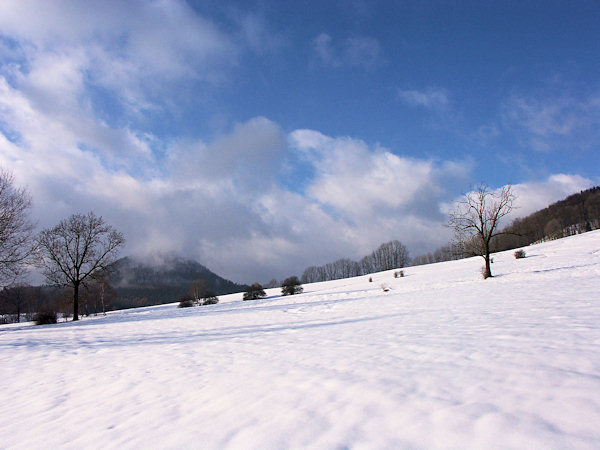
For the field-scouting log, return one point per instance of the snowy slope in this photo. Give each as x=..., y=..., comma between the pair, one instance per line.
x=442, y=360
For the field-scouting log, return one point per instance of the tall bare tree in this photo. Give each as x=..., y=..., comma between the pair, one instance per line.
x=78, y=249
x=17, y=241
x=476, y=218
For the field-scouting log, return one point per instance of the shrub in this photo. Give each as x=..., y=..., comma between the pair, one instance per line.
x=291, y=286
x=399, y=274
x=520, y=254
x=45, y=316
x=186, y=301
x=254, y=292
x=370, y=279
x=210, y=300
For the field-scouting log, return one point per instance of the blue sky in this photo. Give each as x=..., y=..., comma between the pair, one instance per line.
x=263, y=137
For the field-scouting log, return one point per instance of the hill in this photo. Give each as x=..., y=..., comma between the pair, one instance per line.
x=162, y=279
x=443, y=359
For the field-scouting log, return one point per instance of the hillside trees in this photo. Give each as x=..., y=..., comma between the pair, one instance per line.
x=17, y=243
x=76, y=250
x=476, y=218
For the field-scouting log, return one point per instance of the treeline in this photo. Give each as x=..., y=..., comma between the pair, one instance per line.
x=575, y=214
x=391, y=255
x=449, y=252
x=22, y=302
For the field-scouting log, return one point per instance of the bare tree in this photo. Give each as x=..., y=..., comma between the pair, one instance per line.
x=476, y=218
x=76, y=250
x=17, y=241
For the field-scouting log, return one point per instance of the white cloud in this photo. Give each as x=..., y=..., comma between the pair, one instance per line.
x=357, y=51
x=430, y=98
x=250, y=154
x=136, y=50
x=552, y=122
x=381, y=195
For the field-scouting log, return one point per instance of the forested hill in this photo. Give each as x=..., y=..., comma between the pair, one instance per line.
x=575, y=214
x=164, y=279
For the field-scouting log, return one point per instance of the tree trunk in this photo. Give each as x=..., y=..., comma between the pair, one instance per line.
x=75, y=301
x=102, y=299
x=488, y=269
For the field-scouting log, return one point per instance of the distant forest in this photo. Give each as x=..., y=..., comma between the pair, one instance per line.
x=135, y=284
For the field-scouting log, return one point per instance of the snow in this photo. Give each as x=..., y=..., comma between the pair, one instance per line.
x=443, y=360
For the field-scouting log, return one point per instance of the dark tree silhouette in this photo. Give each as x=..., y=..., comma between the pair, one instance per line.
x=76, y=250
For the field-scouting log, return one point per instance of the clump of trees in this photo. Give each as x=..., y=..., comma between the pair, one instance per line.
x=476, y=220
x=202, y=294
x=291, y=286
x=199, y=295
x=254, y=292
x=390, y=255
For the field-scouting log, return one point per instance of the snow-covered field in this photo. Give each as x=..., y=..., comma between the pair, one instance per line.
x=442, y=360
